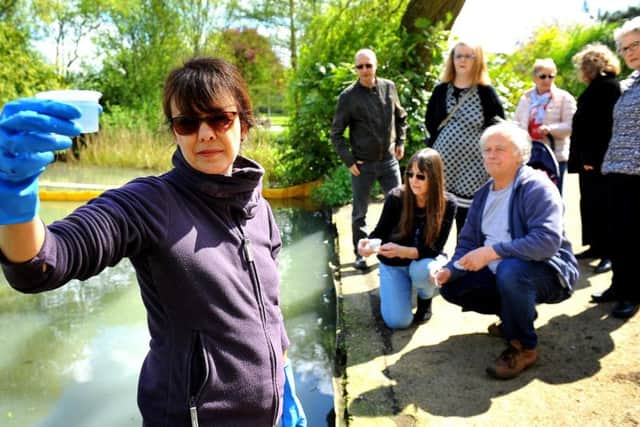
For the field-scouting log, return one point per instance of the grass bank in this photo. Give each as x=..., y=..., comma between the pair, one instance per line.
x=142, y=148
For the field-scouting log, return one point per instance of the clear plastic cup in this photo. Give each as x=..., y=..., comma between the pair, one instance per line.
x=374, y=244
x=85, y=100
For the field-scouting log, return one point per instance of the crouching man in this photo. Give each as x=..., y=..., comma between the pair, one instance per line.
x=512, y=252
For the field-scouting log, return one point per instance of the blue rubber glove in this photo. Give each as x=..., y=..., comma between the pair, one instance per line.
x=30, y=131
x=292, y=412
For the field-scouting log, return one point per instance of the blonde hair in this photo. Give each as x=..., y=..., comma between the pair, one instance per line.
x=479, y=73
x=630, y=26
x=594, y=60
x=544, y=63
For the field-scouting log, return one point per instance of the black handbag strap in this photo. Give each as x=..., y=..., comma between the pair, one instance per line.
x=455, y=108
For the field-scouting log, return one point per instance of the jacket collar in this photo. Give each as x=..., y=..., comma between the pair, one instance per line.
x=241, y=191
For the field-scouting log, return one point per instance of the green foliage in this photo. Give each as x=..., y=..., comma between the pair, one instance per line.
x=22, y=71
x=326, y=68
x=252, y=53
x=260, y=147
x=138, y=148
x=144, y=46
x=511, y=74
x=146, y=115
x=335, y=190
x=620, y=16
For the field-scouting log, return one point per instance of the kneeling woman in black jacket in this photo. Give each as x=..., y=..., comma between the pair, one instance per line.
x=413, y=228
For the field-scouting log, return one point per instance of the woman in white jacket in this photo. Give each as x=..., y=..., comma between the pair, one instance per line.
x=547, y=111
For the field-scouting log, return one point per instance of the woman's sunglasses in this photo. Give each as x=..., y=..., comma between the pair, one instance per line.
x=219, y=122
x=545, y=76
x=418, y=176
x=361, y=66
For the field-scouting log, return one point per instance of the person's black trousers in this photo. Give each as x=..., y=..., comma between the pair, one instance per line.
x=594, y=212
x=624, y=225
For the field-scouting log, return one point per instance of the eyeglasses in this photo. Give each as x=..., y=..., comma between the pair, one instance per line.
x=361, y=66
x=460, y=56
x=418, y=176
x=219, y=122
x=629, y=48
x=545, y=76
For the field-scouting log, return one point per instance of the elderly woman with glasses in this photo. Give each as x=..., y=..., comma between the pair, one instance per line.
x=546, y=111
x=409, y=238
x=202, y=240
x=597, y=66
x=621, y=165
x=459, y=109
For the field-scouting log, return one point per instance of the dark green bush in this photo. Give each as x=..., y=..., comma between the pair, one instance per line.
x=335, y=189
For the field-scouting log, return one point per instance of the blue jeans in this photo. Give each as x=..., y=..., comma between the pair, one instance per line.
x=512, y=293
x=396, y=284
x=388, y=173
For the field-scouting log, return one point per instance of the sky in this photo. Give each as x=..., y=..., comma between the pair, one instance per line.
x=498, y=25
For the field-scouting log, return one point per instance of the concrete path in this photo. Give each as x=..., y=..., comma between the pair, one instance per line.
x=434, y=375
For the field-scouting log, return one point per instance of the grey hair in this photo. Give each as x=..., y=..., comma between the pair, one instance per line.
x=371, y=54
x=630, y=26
x=544, y=63
x=514, y=133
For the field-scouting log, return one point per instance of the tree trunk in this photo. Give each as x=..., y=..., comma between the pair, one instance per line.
x=293, y=47
x=434, y=11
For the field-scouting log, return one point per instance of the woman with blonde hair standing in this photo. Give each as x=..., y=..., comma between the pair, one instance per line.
x=460, y=108
x=546, y=111
x=597, y=66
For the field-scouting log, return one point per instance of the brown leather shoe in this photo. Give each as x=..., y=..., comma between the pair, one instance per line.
x=513, y=361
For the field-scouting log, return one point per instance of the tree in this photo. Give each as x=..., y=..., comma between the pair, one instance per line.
x=252, y=53
x=293, y=16
x=198, y=19
x=326, y=68
x=68, y=22
x=418, y=16
x=23, y=71
x=145, y=43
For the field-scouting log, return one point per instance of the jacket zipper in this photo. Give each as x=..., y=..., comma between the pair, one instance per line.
x=257, y=287
x=193, y=411
x=193, y=398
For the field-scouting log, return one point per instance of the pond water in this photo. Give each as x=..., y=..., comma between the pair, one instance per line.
x=71, y=357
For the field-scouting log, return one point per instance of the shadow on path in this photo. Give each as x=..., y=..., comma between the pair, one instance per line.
x=448, y=378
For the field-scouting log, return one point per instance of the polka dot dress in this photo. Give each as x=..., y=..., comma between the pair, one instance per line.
x=458, y=144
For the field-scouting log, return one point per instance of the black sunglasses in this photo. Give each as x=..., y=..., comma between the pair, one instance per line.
x=544, y=76
x=361, y=66
x=418, y=176
x=219, y=122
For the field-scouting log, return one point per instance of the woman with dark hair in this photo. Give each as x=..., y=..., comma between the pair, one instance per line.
x=459, y=109
x=413, y=228
x=597, y=66
x=202, y=240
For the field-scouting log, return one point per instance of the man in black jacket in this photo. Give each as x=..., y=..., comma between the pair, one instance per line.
x=377, y=124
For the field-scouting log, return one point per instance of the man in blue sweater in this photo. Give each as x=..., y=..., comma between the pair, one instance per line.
x=512, y=252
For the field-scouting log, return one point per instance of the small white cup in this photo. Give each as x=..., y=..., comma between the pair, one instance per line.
x=374, y=244
x=85, y=100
